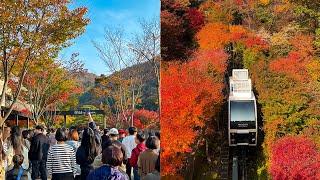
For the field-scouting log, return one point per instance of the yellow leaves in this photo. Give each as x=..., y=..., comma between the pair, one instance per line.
x=70, y=119
x=237, y=32
x=314, y=70
x=280, y=41
x=271, y=126
x=217, y=11
x=264, y=2
x=282, y=37
x=184, y=3
x=281, y=8
x=237, y=29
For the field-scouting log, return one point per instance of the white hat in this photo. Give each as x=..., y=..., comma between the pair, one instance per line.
x=113, y=131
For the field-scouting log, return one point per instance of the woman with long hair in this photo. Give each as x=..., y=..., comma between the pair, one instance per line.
x=87, y=152
x=16, y=146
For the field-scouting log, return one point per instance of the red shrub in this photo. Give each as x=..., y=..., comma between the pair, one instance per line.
x=295, y=157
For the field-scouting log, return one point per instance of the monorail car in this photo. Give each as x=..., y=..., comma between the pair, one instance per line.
x=242, y=110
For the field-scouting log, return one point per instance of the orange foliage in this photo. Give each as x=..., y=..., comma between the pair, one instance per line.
x=292, y=65
x=298, y=61
x=186, y=93
x=210, y=60
x=238, y=32
x=213, y=36
x=304, y=45
x=239, y=2
x=271, y=127
x=147, y=119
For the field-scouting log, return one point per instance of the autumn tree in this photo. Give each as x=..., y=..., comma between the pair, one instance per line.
x=213, y=36
x=278, y=41
x=148, y=119
x=285, y=75
x=172, y=36
x=47, y=90
x=180, y=21
x=294, y=157
x=33, y=31
x=191, y=95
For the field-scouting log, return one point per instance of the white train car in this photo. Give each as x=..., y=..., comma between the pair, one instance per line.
x=242, y=110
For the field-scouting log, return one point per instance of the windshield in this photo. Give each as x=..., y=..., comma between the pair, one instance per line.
x=242, y=111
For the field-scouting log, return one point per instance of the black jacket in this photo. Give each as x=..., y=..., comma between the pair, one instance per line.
x=84, y=162
x=39, y=148
x=105, y=139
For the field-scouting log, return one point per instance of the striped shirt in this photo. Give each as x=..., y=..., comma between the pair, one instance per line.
x=61, y=159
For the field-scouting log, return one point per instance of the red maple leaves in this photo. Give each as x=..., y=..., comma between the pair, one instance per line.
x=195, y=18
x=187, y=90
x=295, y=157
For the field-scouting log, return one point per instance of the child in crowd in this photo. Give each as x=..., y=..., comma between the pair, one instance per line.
x=18, y=172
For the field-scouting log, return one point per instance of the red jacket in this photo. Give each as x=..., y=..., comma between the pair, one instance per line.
x=135, y=154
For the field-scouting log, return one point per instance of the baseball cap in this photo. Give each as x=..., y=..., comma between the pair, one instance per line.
x=122, y=131
x=113, y=131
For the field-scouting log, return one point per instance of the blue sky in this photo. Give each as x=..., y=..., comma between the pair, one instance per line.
x=108, y=13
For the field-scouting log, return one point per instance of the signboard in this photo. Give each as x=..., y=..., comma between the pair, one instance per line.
x=78, y=112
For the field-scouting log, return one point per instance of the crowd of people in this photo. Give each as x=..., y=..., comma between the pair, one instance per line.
x=79, y=153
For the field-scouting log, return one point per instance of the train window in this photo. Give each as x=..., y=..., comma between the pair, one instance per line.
x=242, y=111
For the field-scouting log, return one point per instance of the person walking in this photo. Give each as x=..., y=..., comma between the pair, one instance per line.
x=61, y=162
x=122, y=135
x=130, y=143
x=16, y=146
x=38, y=153
x=155, y=175
x=105, y=136
x=113, y=140
x=147, y=159
x=114, y=136
x=74, y=143
x=26, y=136
x=87, y=152
x=52, y=137
x=95, y=129
x=5, y=136
x=112, y=158
x=140, y=139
